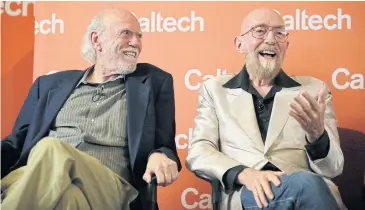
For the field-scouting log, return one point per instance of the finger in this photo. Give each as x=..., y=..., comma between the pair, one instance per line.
x=257, y=199
x=304, y=107
x=311, y=101
x=167, y=173
x=297, y=108
x=302, y=100
x=274, y=178
x=168, y=178
x=322, y=94
x=279, y=173
x=261, y=194
x=160, y=176
x=174, y=171
x=175, y=176
x=267, y=187
x=147, y=176
x=298, y=118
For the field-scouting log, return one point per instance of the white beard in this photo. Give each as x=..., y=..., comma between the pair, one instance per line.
x=260, y=68
x=114, y=62
x=123, y=69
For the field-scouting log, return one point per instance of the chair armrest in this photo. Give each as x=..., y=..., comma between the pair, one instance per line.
x=151, y=190
x=216, y=186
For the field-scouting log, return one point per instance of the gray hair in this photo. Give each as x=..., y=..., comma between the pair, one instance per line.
x=87, y=50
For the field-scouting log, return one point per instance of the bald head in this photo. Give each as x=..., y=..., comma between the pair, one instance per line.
x=263, y=42
x=109, y=17
x=113, y=41
x=261, y=16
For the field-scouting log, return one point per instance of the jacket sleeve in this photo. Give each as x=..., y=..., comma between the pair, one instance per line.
x=11, y=145
x=332, y=164
x=165, y=121
x=203, y=153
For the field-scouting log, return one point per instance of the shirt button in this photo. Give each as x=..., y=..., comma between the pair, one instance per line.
x=92, y=120
x=265, y=120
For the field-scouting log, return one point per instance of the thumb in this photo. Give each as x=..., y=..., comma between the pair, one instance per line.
x=147, y=176
x=279, y=173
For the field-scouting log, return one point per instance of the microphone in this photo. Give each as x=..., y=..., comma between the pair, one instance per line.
x=98, y=94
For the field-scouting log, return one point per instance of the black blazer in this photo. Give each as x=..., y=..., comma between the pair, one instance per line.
x=150, y=116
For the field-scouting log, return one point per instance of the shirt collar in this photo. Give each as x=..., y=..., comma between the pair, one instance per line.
x=242, y=80
x=88, y=71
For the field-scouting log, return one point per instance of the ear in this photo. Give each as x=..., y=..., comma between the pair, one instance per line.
x=239, y=45
x=95, y=40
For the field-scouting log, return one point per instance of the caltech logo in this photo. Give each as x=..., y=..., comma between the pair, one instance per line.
x=342, y=79
x=52, y=25
x=300, y=20
x=194, y=77
x=201, y=200
x=156, y=22
x=182, y=140
x=16, y=8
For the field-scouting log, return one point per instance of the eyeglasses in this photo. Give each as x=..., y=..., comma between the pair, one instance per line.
x=261, y=32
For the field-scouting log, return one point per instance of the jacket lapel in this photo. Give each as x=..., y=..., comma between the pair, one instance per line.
x=279, y=114
x=244, y=112
x=137, y=100
x=58, y=96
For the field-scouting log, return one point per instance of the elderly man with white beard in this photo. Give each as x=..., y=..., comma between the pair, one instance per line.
x=270, y=139
x=92, y=139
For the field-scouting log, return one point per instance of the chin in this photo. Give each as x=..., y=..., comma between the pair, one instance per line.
x=127, y=68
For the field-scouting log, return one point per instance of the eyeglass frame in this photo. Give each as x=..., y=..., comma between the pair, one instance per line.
x=271, y=28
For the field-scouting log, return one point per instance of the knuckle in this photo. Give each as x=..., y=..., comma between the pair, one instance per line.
x=306, y=108
x=165, y=163
x=158, y=167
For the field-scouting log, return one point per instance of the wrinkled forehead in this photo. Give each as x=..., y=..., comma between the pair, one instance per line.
x=263, y=18
x=119, y=22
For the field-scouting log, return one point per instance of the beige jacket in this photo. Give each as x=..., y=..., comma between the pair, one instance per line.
x=226, y=135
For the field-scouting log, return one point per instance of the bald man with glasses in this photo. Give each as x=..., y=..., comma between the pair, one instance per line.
x=270, y=138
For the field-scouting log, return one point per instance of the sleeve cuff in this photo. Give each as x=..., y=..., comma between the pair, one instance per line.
x=169, y=154
x=319, y=149
x=154, y=151
x=229, y=178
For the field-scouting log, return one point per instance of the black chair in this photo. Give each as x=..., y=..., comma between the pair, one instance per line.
x=151, y=194
x=216, y=189
x=351, y=182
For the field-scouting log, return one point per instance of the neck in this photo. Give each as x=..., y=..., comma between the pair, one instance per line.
x=261, y=82
x=98, y=75
x=262, y=85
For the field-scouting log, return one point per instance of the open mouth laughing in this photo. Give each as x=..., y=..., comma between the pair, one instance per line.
x=130, y=54
x=267, y=54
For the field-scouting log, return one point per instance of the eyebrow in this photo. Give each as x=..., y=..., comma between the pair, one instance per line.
x=139, y=33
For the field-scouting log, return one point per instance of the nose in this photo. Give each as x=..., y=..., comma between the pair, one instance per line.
x=135, y=41
x=270, y=38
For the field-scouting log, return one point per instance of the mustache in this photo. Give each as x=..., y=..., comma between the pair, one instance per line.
x=132, y=49
x=267, y=47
